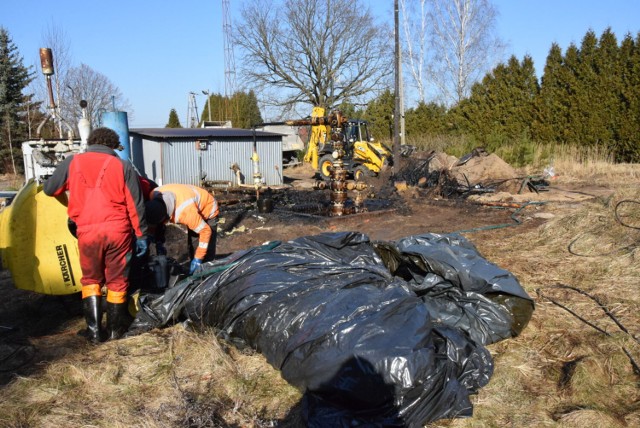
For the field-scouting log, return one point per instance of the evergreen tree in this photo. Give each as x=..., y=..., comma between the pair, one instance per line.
x=584, y=115
x=241, y=109
x=587, y=96
x=514, y=113
x=571, y=134
x=551, y=105
x=379, y=114
x=174, y=121
x=219, y=108
x=248, y=112
x=425, y=119
x=502, y=105
x=605, y=126
x=626, y=147
x=15, y=107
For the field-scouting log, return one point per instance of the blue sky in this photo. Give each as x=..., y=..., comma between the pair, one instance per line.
x=158, y=51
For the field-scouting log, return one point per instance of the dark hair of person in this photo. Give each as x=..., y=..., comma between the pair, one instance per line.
x=105, y=136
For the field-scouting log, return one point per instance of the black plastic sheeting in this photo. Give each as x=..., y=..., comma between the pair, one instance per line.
x=374, y=333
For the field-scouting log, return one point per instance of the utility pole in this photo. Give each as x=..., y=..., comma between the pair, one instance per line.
x=396, y=109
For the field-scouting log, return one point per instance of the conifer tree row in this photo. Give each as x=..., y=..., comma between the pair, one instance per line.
x=587, y=96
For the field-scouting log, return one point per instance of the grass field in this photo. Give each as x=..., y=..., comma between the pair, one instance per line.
x=574, y=365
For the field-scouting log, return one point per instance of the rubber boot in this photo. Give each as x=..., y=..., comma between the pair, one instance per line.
x=118, y=320
x=92, y=310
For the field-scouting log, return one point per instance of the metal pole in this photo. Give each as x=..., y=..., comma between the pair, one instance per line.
x=208, y=102
x=396, y=110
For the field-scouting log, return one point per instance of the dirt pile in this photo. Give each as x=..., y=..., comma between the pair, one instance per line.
x=487, y=171
x=446, y=176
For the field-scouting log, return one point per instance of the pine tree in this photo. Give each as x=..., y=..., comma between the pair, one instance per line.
x=174, y=121
x=14, y=105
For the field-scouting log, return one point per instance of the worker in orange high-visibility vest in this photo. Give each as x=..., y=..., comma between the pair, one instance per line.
x=193, y=207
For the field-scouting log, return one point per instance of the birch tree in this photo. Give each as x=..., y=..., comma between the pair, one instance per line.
x=465, y=44
x=451, y=44
x=414, y=28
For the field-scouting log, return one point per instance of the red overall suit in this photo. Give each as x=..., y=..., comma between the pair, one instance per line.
x=106, y=203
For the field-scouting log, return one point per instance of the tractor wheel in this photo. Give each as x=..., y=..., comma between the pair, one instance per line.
x=325, y=165
x=361, y=172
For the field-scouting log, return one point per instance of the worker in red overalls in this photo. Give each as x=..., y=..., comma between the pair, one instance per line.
x=106, y=203
x=193, y=207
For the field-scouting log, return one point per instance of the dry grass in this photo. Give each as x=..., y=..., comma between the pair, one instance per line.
x=592, y=164
x=561, y=372
x=11, y=181
x=169, y=378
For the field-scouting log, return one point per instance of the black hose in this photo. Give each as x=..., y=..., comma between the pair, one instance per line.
x=636, y=368
x=627, y=248
x=514, y=217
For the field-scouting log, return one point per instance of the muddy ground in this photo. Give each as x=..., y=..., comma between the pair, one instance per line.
x=37, y=329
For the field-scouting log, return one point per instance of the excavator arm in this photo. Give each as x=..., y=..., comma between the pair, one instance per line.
x=319, y=134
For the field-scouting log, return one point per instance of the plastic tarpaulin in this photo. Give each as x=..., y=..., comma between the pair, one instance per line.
x=374, y=333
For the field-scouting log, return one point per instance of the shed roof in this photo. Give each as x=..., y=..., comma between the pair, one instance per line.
x=168, y=133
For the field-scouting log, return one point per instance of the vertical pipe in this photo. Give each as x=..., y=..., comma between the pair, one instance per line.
x=117, y=120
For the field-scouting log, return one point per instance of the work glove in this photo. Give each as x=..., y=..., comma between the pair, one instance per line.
x=195, y=265
x=160, y=249
x=141, y=246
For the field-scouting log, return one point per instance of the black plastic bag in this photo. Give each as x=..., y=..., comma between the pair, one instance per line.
x=376, y=334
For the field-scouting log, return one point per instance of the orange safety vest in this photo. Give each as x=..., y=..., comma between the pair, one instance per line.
x=193, y=207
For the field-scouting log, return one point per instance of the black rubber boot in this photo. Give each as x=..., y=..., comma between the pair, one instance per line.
x=92, y=310
x=118, y=320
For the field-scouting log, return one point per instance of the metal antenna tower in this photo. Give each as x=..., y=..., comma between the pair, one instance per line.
x=192, y=114
x=229, y=61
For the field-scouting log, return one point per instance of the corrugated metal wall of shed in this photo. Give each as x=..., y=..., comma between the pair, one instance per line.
x=153, y=160
x=270, y=152
x=147, y=157
x=182, y=163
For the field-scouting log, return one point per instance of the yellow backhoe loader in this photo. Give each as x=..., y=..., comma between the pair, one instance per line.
x=363, y=157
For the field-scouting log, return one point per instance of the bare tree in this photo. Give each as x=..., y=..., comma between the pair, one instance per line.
x=454, y=40
x=414, y=24
x=319, y=52
x=84, y=83
x=465, y=44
